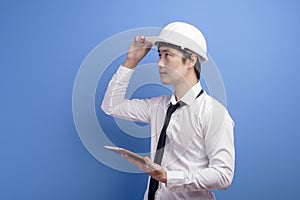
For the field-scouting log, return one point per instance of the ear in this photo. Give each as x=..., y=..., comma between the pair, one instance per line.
x=192, y=61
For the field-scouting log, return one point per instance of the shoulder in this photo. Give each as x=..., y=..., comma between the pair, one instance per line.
x=160, y=100
x=209, y=107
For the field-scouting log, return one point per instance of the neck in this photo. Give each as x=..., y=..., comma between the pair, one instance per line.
x=183, y=86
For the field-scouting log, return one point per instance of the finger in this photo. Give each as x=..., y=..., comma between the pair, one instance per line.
x=150, y=166
x=147, y=160
x=124, y=156
x=134, y=162
x=136, y=39
x=142, y=39
x=148, y=45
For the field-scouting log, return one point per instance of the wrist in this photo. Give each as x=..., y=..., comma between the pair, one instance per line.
x=164, y=177
x=129, y=64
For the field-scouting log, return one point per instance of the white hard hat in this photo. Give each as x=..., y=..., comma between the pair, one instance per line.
x=184, y=35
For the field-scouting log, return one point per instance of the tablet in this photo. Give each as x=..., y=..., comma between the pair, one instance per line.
x=121, y=151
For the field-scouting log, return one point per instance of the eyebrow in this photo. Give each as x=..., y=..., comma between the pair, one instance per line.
x=165, y=50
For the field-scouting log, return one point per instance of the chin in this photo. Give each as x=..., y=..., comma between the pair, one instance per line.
x=165, y=82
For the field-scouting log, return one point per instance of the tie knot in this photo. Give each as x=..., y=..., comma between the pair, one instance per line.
x=172, y=107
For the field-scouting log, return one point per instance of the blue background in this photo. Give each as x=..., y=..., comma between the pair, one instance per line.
x=254, y=43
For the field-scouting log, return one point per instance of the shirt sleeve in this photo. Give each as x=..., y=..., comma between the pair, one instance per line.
x=219, y=143
x=115, y=104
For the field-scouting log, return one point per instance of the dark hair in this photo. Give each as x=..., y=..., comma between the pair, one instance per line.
x=186, y=54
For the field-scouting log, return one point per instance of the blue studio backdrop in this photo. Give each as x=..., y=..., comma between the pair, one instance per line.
x=44, y=44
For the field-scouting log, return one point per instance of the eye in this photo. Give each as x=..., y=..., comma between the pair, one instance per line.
x=167, y=55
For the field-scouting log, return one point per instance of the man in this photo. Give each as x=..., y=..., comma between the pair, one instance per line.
x=192, y=141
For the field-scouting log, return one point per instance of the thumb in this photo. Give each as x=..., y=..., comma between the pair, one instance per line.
x=125, y=156
x=147, y=160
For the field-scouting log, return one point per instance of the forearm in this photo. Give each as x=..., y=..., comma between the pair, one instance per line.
x=116, y=90
x=115, y=104
x=209, y=178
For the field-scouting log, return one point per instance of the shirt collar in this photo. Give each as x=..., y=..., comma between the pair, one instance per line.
x=189, y=96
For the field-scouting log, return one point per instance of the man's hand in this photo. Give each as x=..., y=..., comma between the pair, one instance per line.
x=152, y=169
x=137, y=51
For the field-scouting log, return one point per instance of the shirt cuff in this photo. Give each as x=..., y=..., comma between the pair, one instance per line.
x=125, y=69
x=175, y=180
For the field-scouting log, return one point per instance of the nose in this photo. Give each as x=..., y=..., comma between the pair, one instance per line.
x=161, y=63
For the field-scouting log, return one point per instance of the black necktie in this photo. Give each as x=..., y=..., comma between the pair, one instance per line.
x=160, y=148
x=161, y=144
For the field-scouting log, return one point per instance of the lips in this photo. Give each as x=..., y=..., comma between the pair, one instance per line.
x=162, y=72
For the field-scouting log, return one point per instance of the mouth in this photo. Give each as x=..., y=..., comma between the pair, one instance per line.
x=162, y=73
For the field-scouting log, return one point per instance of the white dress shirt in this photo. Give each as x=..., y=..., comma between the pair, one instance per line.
x=199, y=153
